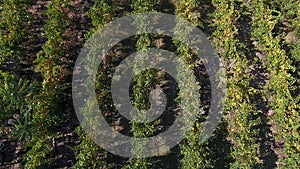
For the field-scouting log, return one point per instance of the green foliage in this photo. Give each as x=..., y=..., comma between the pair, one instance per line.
x=295, y=26
x=46, y=111
x=13, y=93
x=49, y=64
x=143, y=84
x=274, y=34
x=14, y=23
x=37, y=156
x=296, y=51
x=101, y=13
x=186, y=8
x=143, y=5
x=195, y=155
x=16, y=100
x=239, y=109
x=278, y=90
x=89, y=154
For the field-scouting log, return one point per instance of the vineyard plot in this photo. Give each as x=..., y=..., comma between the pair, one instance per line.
x=257, y=41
